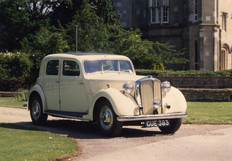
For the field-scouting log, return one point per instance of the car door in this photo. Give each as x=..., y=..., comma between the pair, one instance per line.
x=51, y=84
x=72, y=88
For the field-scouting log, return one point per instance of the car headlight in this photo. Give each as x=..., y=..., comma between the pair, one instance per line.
x=128, y=87
x=166, y=86
x=157, y=103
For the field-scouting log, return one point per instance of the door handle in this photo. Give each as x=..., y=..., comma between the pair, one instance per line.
x=57, y=81
x=81, y=83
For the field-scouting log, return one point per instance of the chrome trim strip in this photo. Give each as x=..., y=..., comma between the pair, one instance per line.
x=151, y=117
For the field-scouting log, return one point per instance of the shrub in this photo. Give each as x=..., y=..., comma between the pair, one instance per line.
x=182, y=73
x=14, y=70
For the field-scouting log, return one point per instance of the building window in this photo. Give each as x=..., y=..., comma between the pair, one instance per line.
x=196, y=55
x=224, y=17
x=225, y=59
x=196, y=10
x=159, y=11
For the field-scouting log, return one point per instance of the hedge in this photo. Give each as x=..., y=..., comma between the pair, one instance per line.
x=182, y=73
x=15, y=69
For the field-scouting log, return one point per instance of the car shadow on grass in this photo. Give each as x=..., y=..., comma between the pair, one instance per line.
x=86, y=130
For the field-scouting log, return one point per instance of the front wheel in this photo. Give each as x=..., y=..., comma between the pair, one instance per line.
x=107, y=120
x=174, y=126
x=36, y=111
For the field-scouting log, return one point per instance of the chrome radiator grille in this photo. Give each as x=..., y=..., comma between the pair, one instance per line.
x=149, y=90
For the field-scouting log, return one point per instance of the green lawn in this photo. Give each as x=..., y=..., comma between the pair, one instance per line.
x=209, y=113
x=19, y=143
x=11, y=102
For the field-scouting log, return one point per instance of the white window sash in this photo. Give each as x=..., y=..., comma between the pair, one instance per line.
x=159, y=11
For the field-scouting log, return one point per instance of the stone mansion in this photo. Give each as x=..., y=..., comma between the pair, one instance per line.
x=202, y=27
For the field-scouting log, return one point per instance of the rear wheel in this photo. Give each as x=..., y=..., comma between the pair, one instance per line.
x=36, y=111
x=174, y=126
x=107, y=119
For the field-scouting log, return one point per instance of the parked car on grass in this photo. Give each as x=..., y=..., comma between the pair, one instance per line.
x=105, y=89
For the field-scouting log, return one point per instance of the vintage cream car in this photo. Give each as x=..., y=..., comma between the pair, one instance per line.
x=105, y=89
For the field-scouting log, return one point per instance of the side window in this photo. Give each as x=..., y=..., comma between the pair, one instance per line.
x=70, y=68
x=52, y=67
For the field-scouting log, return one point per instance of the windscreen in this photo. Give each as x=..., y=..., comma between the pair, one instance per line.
x=92, y=66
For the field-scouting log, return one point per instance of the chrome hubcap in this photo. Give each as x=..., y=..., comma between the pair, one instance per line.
x=106, y=118
x=35, y=110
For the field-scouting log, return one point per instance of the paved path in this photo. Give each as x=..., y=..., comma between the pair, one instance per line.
x=190, y=143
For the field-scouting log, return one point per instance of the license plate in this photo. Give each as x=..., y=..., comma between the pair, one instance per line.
x=156, y=123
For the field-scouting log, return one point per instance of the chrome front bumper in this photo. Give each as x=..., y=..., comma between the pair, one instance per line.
x=151, y=117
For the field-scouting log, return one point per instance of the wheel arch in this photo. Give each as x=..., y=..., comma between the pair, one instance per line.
x=121, y=104
x=37, y=90
x=176, y=100
x=101, y=99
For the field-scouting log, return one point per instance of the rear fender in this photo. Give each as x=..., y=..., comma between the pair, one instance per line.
x=36, y=89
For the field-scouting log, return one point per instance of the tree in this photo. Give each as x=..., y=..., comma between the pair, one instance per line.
x=48, y=26
x=167, y=54
x=146, y=54
x=63, y=11
x=93, y=34
x=141, y=52
x=19, y=19
x=13, y=24
x=45, y=41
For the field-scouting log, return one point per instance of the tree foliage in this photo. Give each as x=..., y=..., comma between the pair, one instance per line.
x=20, y=19
x=41, y=27
x=140, y=51
x=92, y=32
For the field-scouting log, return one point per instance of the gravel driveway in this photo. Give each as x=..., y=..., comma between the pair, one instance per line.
x=190, y=143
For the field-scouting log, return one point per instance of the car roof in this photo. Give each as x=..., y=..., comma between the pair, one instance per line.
x=88, y=55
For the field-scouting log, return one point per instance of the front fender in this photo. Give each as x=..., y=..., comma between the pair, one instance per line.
x=122, y=104
x=38, y=89
x=176, y=100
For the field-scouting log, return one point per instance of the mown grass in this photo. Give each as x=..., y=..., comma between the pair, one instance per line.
x=19, y=143
x=209, y=113
x=11, y=102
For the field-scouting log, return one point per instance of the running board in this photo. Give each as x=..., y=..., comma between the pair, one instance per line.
x=72, y=115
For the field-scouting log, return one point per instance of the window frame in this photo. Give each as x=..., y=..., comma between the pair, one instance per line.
x=224, y=21
x=70, y=75
x=196, y=10
x=52, y=73
x=159, y=11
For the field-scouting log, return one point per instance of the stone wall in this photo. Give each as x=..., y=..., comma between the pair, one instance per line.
x=207, y=95
x=199, y=81
x=202, y=87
